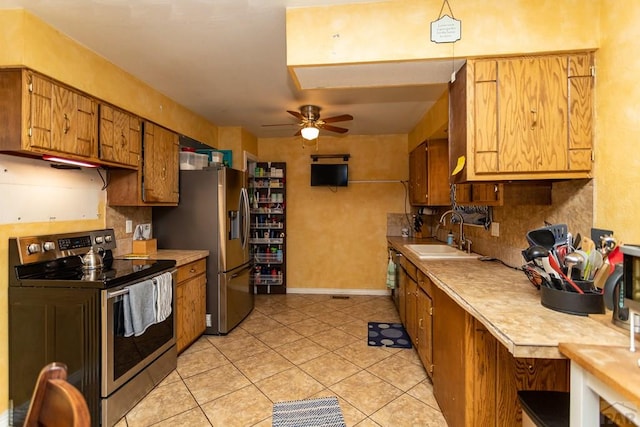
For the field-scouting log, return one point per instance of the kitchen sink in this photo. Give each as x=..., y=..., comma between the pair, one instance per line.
x=434, y=252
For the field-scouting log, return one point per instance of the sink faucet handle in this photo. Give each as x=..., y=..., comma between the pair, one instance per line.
x=467, y=244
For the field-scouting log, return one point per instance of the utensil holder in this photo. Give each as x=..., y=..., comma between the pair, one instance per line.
x=591, y=302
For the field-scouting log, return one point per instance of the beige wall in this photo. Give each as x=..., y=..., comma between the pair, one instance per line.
x=400, y=30
x=336, y=239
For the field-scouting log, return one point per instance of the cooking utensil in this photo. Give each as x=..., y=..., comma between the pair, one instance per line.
x=577, y=242
x=554, y=264
x=588, y=245
x=534, y=253
x=541, y=237
x=556, y=280
x=598, y=233
x=572, y=260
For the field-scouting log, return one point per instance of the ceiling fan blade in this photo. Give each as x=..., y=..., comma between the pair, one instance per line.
x=298, y=133
x=334, y=128
x=341, y=118
x=296, y=114
x=280, y=124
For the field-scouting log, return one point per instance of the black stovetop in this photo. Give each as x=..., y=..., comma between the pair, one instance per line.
x=68, y=272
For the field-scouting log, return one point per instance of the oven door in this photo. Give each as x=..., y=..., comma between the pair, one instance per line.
x=124, y=357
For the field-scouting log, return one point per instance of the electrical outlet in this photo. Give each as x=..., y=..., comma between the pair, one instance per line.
x=128, y=226
x=495, y=229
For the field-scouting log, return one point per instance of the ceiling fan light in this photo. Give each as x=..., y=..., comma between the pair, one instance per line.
x=310, y=132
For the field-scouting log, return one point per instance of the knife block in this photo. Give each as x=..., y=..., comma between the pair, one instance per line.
x=145, y=246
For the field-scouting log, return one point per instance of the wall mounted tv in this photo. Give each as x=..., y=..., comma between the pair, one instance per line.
x=330, y=175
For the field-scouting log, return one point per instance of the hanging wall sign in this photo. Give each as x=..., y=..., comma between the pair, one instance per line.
x=445, y=29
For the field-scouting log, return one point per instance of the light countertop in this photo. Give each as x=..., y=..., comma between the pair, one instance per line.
x=508, y=305
x=181, y=256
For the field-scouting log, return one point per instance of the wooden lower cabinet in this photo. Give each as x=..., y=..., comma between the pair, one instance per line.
x=475, y=378
x=417, y=311
x=424, y=316
x=190, y=303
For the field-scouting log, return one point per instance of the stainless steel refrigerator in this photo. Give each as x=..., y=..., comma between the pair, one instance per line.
x=213, y=214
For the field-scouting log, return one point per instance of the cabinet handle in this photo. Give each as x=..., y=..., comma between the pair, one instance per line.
x=534, y=118
x=193, y=270
x=420, y=323
x=67, y=124
x=123, y=140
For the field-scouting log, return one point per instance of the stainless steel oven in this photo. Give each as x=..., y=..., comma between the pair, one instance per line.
x=60, y=311
x=124, y=357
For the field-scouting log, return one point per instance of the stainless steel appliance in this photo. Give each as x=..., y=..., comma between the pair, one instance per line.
x=213, y=214
x=62, y=311
x=622, y=288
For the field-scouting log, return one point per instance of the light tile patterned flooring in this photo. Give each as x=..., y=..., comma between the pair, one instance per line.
x=294, y=347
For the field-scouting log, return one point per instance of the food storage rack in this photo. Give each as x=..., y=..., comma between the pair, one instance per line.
x=267, y=197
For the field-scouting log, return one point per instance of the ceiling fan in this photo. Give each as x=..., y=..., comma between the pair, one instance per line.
x=311, y=123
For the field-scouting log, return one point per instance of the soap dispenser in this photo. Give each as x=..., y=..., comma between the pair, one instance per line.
x=450, y=239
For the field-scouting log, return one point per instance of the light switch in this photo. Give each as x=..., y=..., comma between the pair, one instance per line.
x=128, y=226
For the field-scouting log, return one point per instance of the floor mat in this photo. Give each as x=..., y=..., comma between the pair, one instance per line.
x=388, y=334
x=323, y=412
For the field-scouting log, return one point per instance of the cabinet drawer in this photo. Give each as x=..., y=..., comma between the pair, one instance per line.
x=192, y=269
x=412, y=270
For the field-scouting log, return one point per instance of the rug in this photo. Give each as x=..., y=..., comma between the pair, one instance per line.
x=323, y=412
x=388, y=334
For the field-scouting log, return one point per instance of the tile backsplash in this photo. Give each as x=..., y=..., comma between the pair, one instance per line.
x=116, y=218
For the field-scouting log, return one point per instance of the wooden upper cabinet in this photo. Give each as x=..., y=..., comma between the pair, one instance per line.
x=160, y=171
x=428, y=174
x=155, y=183
x=522, y=118
x=120, y=136
x=41, y=116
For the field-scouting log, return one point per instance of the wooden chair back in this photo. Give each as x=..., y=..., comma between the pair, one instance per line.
x=56, y=402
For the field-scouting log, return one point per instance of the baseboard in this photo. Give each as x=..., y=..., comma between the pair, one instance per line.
x=333, y=291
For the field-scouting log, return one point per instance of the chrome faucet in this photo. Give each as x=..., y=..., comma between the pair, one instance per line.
x=461, y=240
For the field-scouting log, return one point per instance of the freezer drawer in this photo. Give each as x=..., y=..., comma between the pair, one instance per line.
x=235, y=299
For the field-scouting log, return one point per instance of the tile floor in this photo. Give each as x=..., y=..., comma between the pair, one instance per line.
x=294, y=347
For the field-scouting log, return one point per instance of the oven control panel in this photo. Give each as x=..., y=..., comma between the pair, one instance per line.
x=50, y=247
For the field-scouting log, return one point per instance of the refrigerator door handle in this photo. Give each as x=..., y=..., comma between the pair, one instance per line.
x=244, y=208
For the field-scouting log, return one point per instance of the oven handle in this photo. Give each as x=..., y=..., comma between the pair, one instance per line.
x=123, y=291
x=117, y=293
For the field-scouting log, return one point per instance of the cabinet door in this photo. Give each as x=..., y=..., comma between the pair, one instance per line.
x=438, y=173
x=449, y=358
x=580, y=111
x=160, y=169
x=418, y=175
x=411, y=310
x=61, y=119
x=119, y=136
x=191, y=311
x=532, y=112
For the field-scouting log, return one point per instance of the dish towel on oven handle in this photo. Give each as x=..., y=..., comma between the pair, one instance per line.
x=163, y=296
x=139, y=308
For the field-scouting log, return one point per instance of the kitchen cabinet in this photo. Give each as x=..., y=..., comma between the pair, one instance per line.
x=424, y=310
x=429, y=174
x=155, y=183
x=417, y=313
x=41, y=116
x=475, y=378
x=190, y=303
x=267, y=197
x=120, y=136
x=499, y=194
x=522, y=118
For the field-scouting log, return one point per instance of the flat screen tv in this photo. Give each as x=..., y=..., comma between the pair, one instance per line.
x=331, y=175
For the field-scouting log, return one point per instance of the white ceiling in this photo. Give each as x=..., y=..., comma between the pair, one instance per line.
x=226, y=60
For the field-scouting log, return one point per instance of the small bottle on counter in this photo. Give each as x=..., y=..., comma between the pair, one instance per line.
x=450, y=239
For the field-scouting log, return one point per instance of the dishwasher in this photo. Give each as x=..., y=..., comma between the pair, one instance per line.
x=395, y=291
